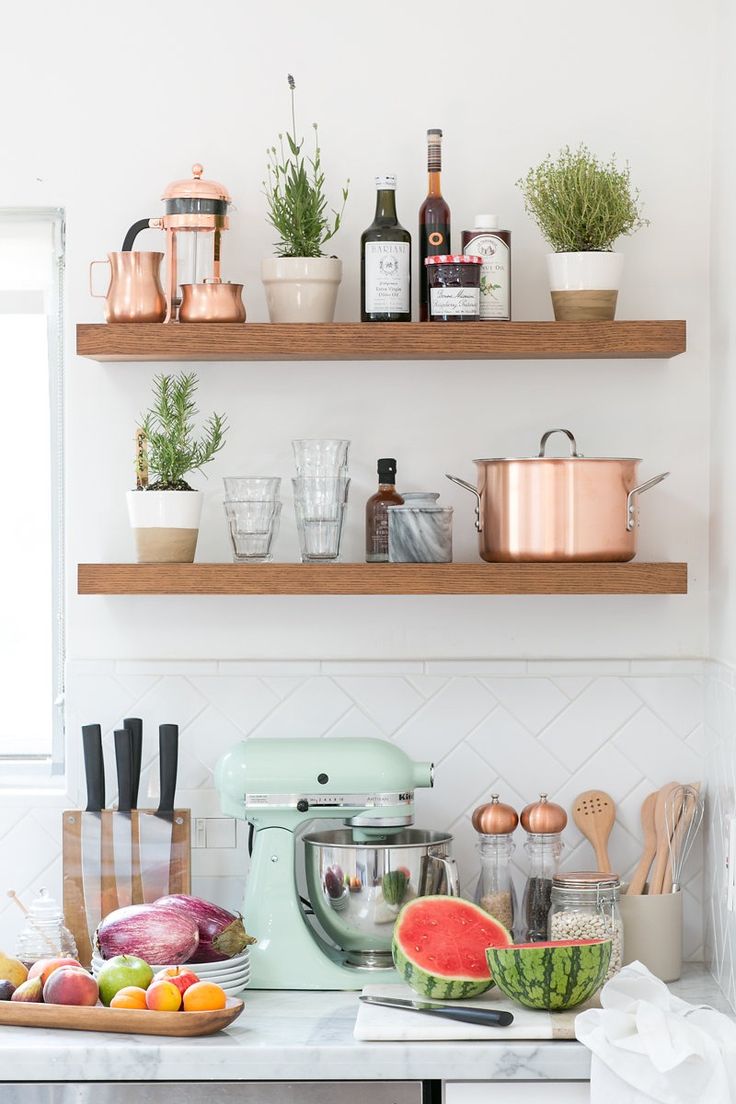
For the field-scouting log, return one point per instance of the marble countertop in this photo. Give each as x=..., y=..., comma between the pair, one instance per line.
x=299, y=1036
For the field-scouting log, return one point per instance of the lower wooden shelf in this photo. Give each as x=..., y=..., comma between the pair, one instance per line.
x=359, y=578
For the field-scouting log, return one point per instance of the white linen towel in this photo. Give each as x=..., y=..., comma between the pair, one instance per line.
x=648, y=1045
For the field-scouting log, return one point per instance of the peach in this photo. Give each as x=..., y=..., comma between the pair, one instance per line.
x=178, y=976
x=45, y=967
x=70, y=985
x=163, y=996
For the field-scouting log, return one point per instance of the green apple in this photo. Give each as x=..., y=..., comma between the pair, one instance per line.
x=121, y=971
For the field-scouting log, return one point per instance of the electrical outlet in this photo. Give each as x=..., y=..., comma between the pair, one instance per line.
x=219, y=832
x=731, y=863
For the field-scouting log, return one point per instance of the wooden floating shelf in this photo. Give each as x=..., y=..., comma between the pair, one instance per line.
x=359, y=578
x=382, y=341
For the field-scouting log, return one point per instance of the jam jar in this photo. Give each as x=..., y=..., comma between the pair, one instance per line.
x=453, y=288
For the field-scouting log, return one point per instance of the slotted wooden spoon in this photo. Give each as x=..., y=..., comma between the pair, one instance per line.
x=662, y=857
x=649, y=832
x=594, y=812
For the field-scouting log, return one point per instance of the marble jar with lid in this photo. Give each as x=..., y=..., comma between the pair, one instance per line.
x=420, y=531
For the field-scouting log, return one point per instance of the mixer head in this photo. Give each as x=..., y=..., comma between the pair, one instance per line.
x=369, y=783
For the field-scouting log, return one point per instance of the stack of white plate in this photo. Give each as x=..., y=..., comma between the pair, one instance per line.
x=233, y=974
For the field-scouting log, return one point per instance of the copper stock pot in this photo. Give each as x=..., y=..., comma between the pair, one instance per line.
x=557, y=509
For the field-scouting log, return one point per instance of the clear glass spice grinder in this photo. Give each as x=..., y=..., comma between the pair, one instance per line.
x=495, y=824
x=544, y=822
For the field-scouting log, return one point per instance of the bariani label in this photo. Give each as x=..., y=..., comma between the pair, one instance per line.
x=387, y=277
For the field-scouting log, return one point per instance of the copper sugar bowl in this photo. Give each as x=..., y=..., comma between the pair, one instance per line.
x=212, y=301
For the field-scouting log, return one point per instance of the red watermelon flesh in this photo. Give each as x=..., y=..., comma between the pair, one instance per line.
x=448, y=936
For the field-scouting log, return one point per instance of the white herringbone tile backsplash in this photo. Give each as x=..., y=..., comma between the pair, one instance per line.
x=720, y=773
x=515, y=727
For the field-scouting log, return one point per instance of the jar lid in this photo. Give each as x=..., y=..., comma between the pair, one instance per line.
x=586, y=879
x=486, y=222
x=450, y=258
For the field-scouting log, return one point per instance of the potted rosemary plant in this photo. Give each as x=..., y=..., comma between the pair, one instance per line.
x=164, y=513
x=301, y=282
x=582, y=205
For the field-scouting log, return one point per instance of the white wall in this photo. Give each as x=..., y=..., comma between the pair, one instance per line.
x=113, y=101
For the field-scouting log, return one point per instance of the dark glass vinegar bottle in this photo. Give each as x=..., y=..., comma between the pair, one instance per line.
x=434, y=219
x=385, y=261
x=376, y=512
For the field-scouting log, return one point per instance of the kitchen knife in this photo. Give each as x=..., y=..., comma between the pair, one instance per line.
x=94, y=769
x=487, y=1017
x=157, y=830
x=122, y=820
x=134, y=726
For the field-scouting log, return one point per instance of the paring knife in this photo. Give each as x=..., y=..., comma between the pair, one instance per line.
x=94, y=769
x=134, y=726
x=122, y=820
x=158, y=829
x=487, y=1017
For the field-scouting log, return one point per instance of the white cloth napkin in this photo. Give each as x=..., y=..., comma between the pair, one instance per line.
x=648, y=1045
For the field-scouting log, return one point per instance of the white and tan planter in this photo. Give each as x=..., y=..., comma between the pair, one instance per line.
x=584, y=286
x=165, y=525
x=301, y=289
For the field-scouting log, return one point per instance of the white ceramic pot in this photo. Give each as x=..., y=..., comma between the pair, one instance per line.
x=584, y=286
x=165, y=524
x=301, y=289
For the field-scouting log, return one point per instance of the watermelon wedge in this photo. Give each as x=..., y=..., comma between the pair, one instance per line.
x=551, y=976
x=439, y=947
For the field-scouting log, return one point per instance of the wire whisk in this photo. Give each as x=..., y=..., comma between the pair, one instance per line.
x=683, y=815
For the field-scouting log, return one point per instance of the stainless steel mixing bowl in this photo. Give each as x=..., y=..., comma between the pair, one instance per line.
x=357, y=888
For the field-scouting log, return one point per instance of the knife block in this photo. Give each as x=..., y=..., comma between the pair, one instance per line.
x=99, y=895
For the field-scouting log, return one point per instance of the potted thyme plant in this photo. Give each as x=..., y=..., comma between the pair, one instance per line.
x=582, y=205
x=164, y=513
x=301, y=282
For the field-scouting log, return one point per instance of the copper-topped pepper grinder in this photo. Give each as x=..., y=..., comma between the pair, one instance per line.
x=544, y=823
x=495, y=824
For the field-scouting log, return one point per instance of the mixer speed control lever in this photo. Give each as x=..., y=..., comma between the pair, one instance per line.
x=302, y=805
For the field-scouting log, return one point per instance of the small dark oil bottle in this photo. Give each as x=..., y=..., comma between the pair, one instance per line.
x=376, y=512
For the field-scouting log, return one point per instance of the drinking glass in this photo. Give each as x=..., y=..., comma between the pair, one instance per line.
x=256, y=488
x=326, y=456
x=253, y=526
x=319, y=504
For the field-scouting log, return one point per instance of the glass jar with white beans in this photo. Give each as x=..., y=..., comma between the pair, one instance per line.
x=585, y=906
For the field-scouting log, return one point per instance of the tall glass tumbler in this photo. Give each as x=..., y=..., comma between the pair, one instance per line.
x=320, y=503
x=321, y=456
x=256, y=488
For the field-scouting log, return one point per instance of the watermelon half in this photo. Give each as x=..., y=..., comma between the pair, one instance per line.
x=551, y=976
x=439, y=947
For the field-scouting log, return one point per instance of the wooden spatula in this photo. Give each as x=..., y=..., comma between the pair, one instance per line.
x=594, y=812
x=662, y=857
x=649, y=832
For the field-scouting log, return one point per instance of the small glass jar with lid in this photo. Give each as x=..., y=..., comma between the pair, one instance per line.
x=585, y=906
x=44, y=934
x=544, y=823
x=495, y=824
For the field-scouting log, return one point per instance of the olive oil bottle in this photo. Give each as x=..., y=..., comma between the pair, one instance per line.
x=385, y=261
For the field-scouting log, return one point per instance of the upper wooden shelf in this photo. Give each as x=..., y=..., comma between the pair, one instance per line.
x=383, y=341
x=360, y=578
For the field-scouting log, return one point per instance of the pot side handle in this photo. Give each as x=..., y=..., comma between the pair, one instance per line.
x=473, y=490
x=631, y=498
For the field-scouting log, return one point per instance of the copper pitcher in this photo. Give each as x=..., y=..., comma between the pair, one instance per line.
x=212, y=301
x=135, y=293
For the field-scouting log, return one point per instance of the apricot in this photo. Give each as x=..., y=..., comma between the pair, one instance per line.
x=45, y=967
x=163, y=996
x=71, y=985
x=205, y=996
x=129, y=997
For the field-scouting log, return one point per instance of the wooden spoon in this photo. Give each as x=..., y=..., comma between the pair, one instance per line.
x=661, y=859
x=649, y=832
x=594, y=812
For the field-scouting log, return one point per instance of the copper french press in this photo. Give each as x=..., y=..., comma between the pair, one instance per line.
x=195, y=214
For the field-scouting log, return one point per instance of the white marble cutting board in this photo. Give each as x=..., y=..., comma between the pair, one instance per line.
x=378, y=1024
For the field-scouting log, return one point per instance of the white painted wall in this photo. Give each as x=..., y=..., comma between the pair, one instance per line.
x=113, y=101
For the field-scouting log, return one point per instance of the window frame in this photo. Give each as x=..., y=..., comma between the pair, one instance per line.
x=32, y=773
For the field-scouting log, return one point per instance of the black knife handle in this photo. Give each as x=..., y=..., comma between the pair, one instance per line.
x=124, y=763
x=134, y=726
x=94, y=767
x=489, y=1017
x=168, y=754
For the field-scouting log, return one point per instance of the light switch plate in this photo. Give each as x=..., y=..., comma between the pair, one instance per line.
x=221, y=832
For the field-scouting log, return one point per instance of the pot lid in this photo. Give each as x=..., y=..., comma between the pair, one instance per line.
x=572, y=455
x=196, y=188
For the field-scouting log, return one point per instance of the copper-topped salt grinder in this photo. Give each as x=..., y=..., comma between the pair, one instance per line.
x=495, y=823
x=195, y=214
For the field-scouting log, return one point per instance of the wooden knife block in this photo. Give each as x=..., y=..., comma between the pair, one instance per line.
x=76, y=893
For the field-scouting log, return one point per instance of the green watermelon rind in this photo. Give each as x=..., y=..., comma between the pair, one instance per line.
x=437, y=986
x=550, y=978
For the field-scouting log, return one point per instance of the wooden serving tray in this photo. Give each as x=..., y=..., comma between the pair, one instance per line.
x=129, y=1021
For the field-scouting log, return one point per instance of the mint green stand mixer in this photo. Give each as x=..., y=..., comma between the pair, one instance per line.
x=357, y=877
